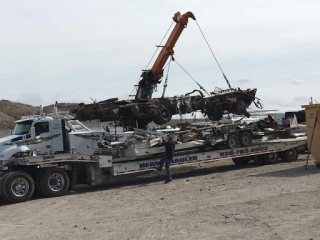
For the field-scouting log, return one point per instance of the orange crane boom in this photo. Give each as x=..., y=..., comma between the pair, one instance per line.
x=150, y=78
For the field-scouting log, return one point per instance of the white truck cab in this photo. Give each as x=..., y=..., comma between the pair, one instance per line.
x=49, y=134
x=38, y=134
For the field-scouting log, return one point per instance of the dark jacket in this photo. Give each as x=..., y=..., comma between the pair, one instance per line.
x=169, y=149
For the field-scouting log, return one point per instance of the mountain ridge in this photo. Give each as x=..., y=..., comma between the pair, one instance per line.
x=11, y=111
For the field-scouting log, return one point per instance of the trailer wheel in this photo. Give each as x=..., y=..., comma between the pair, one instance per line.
x=53, y=182
x=233, y=141
x=241, y=161
x=17, y=187
x=289, y=155
x=246, y=139
x=269, y=158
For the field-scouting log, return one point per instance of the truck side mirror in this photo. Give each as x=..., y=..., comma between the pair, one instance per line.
x=33, y=133
x=11, y=132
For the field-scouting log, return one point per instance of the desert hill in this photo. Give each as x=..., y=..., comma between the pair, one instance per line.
x=12, y=111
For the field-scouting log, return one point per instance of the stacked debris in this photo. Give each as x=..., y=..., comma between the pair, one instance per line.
x=138, y=113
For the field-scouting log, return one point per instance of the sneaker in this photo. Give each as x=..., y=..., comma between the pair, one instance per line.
x=167, y=181
x=158, y=169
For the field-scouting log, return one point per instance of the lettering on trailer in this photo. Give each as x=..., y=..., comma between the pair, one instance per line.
x=48, y=157
x=176, y=160
x=243, y=151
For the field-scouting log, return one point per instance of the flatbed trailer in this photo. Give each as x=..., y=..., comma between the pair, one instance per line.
x=55, y=175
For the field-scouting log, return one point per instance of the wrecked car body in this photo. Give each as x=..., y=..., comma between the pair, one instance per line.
x=138, y=113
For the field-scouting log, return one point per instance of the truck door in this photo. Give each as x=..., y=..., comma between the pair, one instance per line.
x=43, y=141
x=57, y=129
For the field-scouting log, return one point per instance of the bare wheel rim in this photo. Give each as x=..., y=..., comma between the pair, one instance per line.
x=20, y=187
x=272, y=157
x=240, y=106
x=233, y=141
x=245, y=139
x=291, y=153
x=164, y=114
x=56, y=182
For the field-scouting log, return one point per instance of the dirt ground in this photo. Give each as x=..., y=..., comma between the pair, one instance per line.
x=211, y=201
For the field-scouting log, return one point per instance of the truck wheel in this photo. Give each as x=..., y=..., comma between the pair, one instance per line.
x=241, y=161
x=269, y=158
x=164, y=115
x=246, y=139
x=17, y=187
x=53, y=182
x=290, y=155
x=233, y=141
x=2, y=174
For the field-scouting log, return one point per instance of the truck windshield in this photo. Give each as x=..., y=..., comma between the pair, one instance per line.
x=22, y=127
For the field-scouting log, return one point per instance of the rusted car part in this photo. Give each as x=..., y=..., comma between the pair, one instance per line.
x=138, y=113
x=227, y=101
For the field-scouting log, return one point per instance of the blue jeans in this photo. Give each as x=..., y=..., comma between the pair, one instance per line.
x=167, y=161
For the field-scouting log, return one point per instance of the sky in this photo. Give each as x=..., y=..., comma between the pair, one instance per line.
x=79, y=50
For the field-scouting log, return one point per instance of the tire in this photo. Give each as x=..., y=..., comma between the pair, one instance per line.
x=2, y=174
x=17, y=187
x=241, y=161
x=233, y=141
x=289, y=155
x=53, y=182
x=240, y=107
x=269, y=158
x=164, y=115
x=246, y=139
x=215, y=115
x=37, y=184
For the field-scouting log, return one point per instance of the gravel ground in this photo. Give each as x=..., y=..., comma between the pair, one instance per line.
x=209, y=201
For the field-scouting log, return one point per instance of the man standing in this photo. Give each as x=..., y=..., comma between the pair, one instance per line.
x=169, y=146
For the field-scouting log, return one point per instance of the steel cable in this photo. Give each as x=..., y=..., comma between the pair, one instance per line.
x=153, y=55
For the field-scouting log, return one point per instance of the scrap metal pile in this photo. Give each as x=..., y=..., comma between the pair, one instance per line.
x=143, y=109
x=143, y=144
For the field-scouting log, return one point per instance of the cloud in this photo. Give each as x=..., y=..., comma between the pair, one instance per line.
x=242, y=81
x=282, y=104
x=295, y=81
x=301, y=99
x=30, y=98
x=68, y=63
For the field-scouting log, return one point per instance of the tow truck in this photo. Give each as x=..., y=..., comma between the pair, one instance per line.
x=68, y=158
